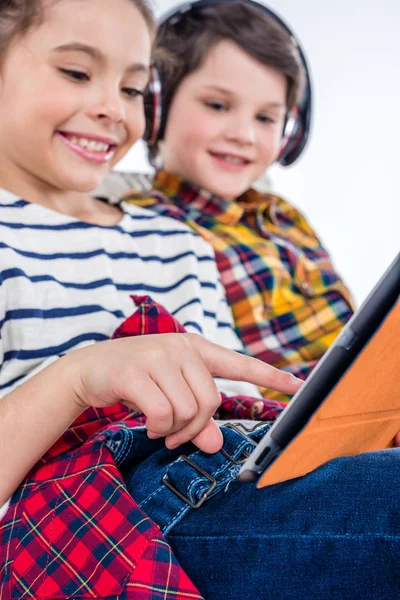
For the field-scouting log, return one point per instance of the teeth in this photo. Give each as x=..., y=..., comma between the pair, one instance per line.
x=235, y=160
x=91, y=145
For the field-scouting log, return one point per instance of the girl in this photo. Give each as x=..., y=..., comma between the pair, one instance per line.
x=225, y=105
x=73, y=73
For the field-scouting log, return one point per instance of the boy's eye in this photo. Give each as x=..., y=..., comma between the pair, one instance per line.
x=76, y=75
x=218, y=106
x=133, y=92
x=265, y=119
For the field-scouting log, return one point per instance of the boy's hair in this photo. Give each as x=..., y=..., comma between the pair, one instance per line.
x=17, y=16
x=182, y=45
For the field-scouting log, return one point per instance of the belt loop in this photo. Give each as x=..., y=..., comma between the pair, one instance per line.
x=205, y=495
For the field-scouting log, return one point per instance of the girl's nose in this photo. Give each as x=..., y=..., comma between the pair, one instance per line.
x=110, y=107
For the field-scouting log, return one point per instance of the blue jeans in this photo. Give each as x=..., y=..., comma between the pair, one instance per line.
x=332, y=534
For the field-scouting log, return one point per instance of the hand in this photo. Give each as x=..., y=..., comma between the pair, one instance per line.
x=169, y=378
x=397, y=440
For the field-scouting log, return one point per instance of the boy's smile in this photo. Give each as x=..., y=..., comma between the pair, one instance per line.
x=225, y=122
x=233, y=163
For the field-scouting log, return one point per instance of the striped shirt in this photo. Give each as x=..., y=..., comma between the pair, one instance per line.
x=288, y=301
x=65, y=283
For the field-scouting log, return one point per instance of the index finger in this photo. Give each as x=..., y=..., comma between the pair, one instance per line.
x=229, y=364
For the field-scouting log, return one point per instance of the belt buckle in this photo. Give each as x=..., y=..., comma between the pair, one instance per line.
x=237, y=427
x=206, y=494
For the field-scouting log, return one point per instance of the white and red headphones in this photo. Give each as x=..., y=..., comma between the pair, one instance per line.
x=297, y=126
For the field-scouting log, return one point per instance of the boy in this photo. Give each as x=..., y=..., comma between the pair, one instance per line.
x=232, y=77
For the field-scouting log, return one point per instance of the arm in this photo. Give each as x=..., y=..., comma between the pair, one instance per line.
x=169, y=378
x=32, y=418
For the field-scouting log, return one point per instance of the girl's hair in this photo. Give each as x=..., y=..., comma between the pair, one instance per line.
x=17, y=16
x=182, y=45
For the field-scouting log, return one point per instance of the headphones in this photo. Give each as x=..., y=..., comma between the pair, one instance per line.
x=297, y=125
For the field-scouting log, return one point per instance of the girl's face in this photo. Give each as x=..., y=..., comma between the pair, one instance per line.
x=71, y=93
x=225, y=122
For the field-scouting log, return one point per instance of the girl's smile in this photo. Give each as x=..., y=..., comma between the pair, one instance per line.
x=94, y=148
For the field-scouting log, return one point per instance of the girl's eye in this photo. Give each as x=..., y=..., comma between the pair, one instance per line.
x=76, y=75
x=133, y=92
x=218, y=106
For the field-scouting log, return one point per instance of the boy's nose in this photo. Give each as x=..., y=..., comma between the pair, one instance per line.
x=241, y=130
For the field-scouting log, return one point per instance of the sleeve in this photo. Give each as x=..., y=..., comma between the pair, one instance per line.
x=313, y=265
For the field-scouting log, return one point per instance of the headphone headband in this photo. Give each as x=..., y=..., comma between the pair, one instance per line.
x=296, y=139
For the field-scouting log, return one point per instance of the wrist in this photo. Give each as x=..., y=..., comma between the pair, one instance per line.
x=70, y=380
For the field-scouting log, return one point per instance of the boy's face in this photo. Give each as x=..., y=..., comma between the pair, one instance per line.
x=70, y=94
x=225, y=122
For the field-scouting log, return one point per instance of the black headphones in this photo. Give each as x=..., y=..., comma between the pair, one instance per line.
x=298, y=123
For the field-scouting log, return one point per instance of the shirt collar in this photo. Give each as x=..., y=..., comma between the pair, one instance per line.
x=190, y=197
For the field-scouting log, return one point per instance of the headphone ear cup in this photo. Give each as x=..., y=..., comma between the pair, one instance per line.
x=153, y=107
x=289, y=134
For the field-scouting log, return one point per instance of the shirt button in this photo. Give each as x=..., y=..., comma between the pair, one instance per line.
x=257, y=408
x=306, y=287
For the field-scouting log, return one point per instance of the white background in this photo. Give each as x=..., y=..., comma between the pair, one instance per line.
x=347, y=180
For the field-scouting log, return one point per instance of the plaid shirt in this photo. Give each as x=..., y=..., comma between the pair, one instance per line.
x=73, y=531
x=288, y=302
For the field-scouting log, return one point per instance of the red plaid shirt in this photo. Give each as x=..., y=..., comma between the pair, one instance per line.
x=73, y=531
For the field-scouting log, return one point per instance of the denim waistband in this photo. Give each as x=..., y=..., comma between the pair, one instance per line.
x=167, y=484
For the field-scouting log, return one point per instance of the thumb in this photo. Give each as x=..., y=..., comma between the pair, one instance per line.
x=209, y=439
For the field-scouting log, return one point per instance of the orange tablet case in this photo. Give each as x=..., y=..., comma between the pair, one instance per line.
x=361, y=413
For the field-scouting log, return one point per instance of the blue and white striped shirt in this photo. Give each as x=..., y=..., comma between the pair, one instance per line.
x=65, y=283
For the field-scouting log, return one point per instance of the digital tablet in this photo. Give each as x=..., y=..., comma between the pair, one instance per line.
x=351, y=401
